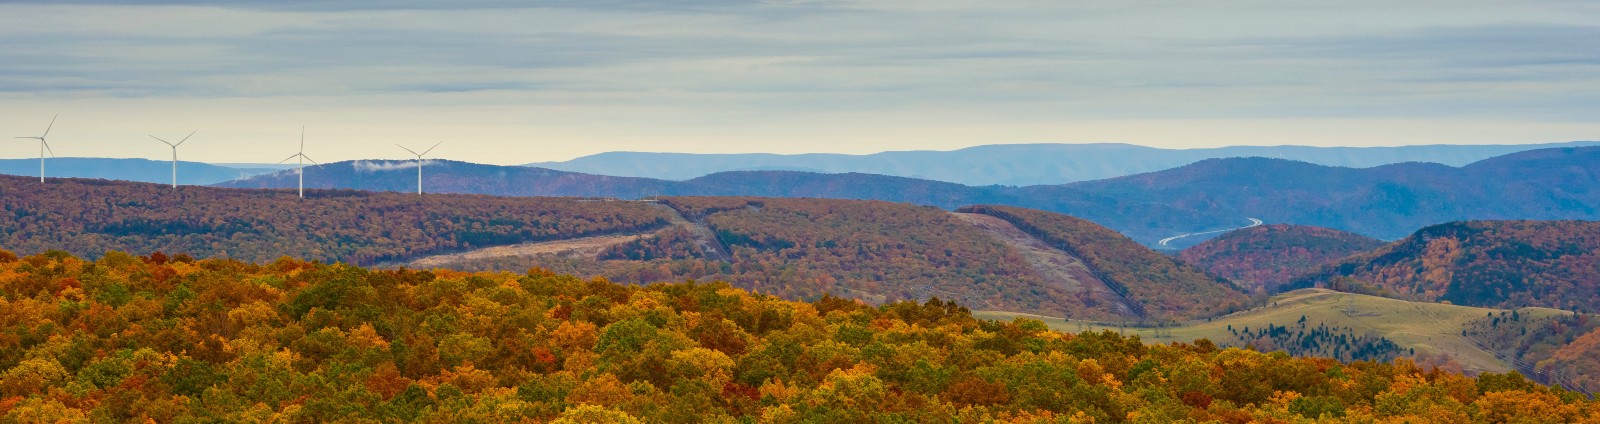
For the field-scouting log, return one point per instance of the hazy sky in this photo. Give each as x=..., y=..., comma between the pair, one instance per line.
x=507, y=83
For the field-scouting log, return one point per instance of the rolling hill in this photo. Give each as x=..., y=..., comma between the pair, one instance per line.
x=90, y=217
x=1020, y=164
x=796, y=248
x=1415, y=328
x=1262, y=258
x=1503, y=264
x=140, y=170
x=880, y=252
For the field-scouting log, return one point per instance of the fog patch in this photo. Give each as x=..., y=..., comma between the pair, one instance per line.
x=370, y=166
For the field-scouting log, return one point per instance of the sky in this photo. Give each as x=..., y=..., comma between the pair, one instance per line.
x=508, y=82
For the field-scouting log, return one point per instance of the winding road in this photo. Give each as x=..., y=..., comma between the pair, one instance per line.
x=1253, y=222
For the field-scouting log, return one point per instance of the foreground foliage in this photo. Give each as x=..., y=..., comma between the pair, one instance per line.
x=171, y=339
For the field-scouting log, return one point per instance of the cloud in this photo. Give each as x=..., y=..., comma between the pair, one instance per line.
x=372, y=166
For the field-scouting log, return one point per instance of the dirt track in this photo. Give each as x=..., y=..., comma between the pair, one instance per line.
x=580, y=246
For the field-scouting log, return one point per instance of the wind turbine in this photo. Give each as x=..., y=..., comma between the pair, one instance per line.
x=175, y=154
x=43, y=146
x=419, y=162
x=300, y=168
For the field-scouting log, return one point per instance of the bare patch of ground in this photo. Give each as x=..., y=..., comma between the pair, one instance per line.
x=1057, y=267
x=707, y=240
x=586, y=246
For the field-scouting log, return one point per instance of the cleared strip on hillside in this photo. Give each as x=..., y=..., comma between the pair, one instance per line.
x=1095, y=298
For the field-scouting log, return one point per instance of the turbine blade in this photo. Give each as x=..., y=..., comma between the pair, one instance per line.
x=163, y=141
x=435, y=145
x=47, y=147
x=185, y=138
x=302, y=139
x=52, y=125
x=30, y=138
x=308, y=159
x=413, y=152
x=290, y=157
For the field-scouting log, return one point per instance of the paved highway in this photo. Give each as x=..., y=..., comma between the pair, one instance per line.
x=1253, y=222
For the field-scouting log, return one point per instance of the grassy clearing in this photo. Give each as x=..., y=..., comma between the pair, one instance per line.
x=1427, y=327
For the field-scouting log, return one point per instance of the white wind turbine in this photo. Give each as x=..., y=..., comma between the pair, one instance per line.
x=175, y=154
x=301, y=164
x=43, y=146
x=419, y=162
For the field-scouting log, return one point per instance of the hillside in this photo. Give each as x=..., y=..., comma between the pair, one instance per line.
x=1348, y=326
x=1020, y=164
x=1160, y=286
x=795, y=248
x=1386, y=202
x=86, y=217
x=139, y=170
x=1557, y=349
x=1482, y=263
x=147, y=339
x=1262, y=258
x=869, y=250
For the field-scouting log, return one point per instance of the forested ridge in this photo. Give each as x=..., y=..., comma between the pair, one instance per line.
x=1264, y=257
x=882, y=252
x=794, y=248
x=171, y=339
x=1502, y=264
x=87, y=217
x=808, y=248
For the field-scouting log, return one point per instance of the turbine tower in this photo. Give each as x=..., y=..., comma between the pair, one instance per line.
x=419, y=162
x=300, y=167
x=44, y=145
x=175, y=154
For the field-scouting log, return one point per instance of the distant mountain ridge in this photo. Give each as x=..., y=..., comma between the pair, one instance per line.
x=1021, y=164
x=1385, y=202
x=132, y=169
x=1144, y=221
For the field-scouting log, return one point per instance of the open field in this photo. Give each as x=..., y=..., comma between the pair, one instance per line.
x=1427, y=327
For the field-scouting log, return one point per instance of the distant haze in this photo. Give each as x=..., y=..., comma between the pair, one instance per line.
x=1026, y=164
